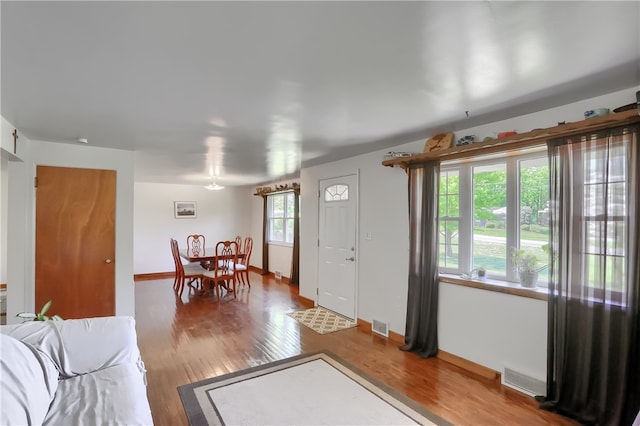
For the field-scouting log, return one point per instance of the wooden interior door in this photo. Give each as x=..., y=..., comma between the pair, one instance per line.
x=75, y=241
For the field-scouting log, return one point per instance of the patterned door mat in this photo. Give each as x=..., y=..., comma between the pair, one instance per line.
x=321, y=320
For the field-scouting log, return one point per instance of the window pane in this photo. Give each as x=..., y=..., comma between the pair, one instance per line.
x=289, y=231
x=278, y=205
x=449, y=211
x=605, y=237
x=605, y=272
x=449, y=194
x=489, y=218
x=337, y=193
x=277, y=230
x=534, y=210
x=290, y=204
x=449, y=244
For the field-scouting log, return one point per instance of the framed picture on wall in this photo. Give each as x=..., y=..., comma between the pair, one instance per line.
x=184, y=209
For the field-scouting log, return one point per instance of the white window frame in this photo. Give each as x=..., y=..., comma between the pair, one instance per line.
x=465, y=236
x=271, y=218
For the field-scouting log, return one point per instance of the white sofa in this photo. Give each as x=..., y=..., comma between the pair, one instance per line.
x=72, y=372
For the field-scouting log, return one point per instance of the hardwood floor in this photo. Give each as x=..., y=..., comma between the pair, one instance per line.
x=187, y=339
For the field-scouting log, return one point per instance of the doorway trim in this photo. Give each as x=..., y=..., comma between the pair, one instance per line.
x=355, y=173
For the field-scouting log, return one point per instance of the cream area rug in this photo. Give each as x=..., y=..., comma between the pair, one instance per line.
x=309, y=389
x=322, y=320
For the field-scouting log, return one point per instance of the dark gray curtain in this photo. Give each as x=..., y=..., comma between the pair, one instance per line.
x=294, y=277
x=265, y=237
x=421, y=332
x=593, y=360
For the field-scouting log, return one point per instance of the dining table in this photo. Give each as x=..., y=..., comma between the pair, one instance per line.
x=207, y=258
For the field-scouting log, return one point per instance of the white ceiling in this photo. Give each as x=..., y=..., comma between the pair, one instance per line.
x=252, y=91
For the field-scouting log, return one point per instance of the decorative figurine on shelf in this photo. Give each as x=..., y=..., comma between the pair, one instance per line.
x=466, y=140
x=438, y=142
x=598, y=112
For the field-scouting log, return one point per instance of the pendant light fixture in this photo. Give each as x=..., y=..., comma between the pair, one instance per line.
x=213, y=186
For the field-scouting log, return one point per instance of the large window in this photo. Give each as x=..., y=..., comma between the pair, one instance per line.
x=605, y=218
x=486, y=208
x=280, y=216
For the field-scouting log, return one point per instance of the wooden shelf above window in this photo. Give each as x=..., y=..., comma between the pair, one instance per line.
x=528, y=140
x=279, y=191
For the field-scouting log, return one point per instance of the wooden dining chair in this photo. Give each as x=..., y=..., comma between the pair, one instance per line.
x=191, y=272
x=223, y=271
x=175, y=264
x=242, y=267
x=238, y=241
x=195, y=244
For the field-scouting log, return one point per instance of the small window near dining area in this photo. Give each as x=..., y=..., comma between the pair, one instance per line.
x=280, y=214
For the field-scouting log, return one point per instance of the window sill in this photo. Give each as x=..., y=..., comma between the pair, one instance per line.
x=280, y=243
x=539, y=293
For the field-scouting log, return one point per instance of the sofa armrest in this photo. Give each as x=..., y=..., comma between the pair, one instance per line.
x=81, y=346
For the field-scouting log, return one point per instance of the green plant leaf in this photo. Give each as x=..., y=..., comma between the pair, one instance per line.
x=41, y=315
x=45, y=308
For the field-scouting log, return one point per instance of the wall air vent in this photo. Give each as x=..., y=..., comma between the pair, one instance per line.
x=523, y=382
x=381, y=328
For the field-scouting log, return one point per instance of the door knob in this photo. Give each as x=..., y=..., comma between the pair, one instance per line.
x=352, y=258
x=107, y=261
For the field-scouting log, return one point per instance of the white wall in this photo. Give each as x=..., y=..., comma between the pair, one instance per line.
x=280, y=259
x=382, y=265
x=20, y=290
x=14, y=214
x=221, y=215
x=4, y=199
x=20, y=267
x=494, y=329
x=489, y=328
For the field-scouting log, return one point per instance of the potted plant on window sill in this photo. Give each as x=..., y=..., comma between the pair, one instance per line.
x=528, y=267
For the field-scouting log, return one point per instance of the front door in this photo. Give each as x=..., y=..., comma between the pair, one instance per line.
x=337, y=245
x=75, y=241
